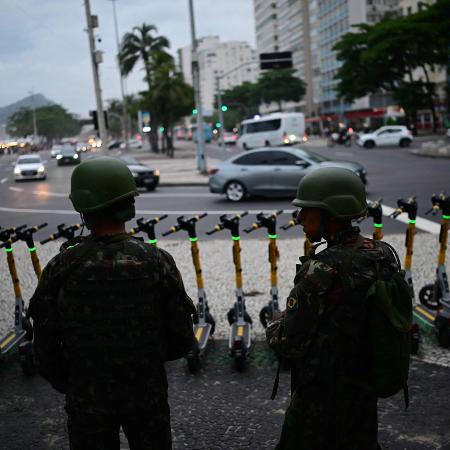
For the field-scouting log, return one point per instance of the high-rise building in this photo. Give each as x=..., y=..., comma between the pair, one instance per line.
x=310, y=29
x=235, y=62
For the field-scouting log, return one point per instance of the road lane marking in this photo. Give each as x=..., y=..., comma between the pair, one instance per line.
x=16, y=189
x=4, y=180
x=421, y=223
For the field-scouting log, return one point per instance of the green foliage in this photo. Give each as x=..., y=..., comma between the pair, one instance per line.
x=114, y=108
x=396, y=55
x=281, y=85
x=53, y=122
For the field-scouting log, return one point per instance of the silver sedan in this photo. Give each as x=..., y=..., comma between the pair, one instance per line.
x=270, y=172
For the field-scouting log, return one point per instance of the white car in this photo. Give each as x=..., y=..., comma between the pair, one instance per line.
x=55, y=150
x=385, y=136
x=133, y=144
x=29, y=167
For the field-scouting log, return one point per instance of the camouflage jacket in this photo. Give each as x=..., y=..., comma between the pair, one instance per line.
x=326, y=307
x=107, y=313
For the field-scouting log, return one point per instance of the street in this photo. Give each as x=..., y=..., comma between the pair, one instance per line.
x=392, y=173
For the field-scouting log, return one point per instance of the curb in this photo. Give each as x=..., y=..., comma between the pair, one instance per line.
x=430, y=155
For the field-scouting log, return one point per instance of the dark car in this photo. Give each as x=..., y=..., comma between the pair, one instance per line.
x=270, y=172
x=144, y=176
x=68, y=155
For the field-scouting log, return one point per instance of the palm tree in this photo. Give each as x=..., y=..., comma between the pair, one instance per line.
x=141, y=44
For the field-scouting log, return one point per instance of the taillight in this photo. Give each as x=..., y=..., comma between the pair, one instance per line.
x=238, y=344
x=213, y=171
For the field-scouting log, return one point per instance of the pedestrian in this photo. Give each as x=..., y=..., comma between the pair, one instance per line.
x=108, y=311
x=324, y=332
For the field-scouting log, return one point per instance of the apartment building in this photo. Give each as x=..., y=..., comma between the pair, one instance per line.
x=310, y=29
x=235, y=62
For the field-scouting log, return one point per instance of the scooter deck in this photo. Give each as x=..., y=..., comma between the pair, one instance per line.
x=10, y=342
x=425, y=319
x=202, y=332
x=240, y=337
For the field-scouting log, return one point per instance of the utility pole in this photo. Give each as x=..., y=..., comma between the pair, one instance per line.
x=220, y=111
x=201, y=159
x=35, y=133
x=125, y=121
x=96, y=59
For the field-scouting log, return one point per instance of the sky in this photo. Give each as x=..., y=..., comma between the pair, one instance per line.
x=44, y=47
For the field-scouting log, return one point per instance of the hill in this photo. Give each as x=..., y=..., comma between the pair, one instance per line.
x=27, y=102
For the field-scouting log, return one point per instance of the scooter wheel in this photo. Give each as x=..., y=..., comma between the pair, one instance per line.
x=239, y=363
x=442, y=331
x=415, y=345
x=193, y=363
x=27, y=362
x=426, y=297
x=210, y=319
x=231, y=316
x=265, y=316
x=26, y=325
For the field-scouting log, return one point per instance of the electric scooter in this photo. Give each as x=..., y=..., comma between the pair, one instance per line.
x=204, y=323
x=436, y=296
x=21, y=336
x=408, y=206
x=375, y=210
x=269, y=221
x=307, y=246
x=148, y=227
x=240, y=322
x=66, y=232
x=27, y=236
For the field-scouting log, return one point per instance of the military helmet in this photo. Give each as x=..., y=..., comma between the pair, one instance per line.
x=336, y=190
x=98, y=183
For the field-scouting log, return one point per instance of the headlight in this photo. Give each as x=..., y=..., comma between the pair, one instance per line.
x=135, y=174
x=41, y=169
x=58, y=156
x=17, y=171
x=75, y=156
x=292, y=137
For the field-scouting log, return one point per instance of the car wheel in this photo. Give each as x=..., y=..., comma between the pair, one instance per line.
x=369, y=144
x=405, y=143
x=151, y=188
x=235, y=191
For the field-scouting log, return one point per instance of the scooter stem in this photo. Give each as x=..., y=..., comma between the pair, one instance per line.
x=237, y=261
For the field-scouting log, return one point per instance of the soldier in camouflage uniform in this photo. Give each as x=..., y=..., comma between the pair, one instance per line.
x=108, y=311
x=323, y=334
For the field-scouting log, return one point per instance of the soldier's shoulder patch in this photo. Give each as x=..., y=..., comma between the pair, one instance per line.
x=292, y=303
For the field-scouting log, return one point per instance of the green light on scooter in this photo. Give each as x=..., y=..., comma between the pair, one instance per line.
x=193, y=239
x=33, y=249
x=152, y=241
x=412, y=222
x=236, y=238
x=272, y=236
x=8, y=250
x=446, y=217
x=378, y=225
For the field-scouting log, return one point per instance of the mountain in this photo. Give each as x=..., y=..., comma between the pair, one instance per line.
x=28, y=102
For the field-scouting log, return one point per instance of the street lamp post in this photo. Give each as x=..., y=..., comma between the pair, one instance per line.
x=95, y=60
x=125, y=121
x=201, y=159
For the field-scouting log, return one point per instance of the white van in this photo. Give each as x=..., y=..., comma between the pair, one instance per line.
x=272, y=130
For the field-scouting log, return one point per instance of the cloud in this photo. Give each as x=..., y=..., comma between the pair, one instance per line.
x=44, y=47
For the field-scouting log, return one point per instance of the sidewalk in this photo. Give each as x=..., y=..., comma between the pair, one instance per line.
x=434, y=149
x=181, y=170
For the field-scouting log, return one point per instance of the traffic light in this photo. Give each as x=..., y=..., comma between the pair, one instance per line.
x=94, y=119
x=194, y=111
x=218, y=124
x=224, y=108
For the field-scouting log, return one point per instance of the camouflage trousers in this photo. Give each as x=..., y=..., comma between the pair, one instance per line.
x=101, y=431
x=310, y=423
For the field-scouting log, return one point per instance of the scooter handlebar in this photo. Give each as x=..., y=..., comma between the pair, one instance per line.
x=174, y=229
x=38, y=227
x=254, y=227
x=218, y=227
x=52, y=237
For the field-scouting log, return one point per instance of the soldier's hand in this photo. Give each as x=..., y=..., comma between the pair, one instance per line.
x=278, y=315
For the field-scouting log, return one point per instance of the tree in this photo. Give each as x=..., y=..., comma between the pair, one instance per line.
x=115, y=119
x=53, y=122
x=142, y=45
x=170, y=98
x=396, y=55
x=242, y=101
x=281, y=85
